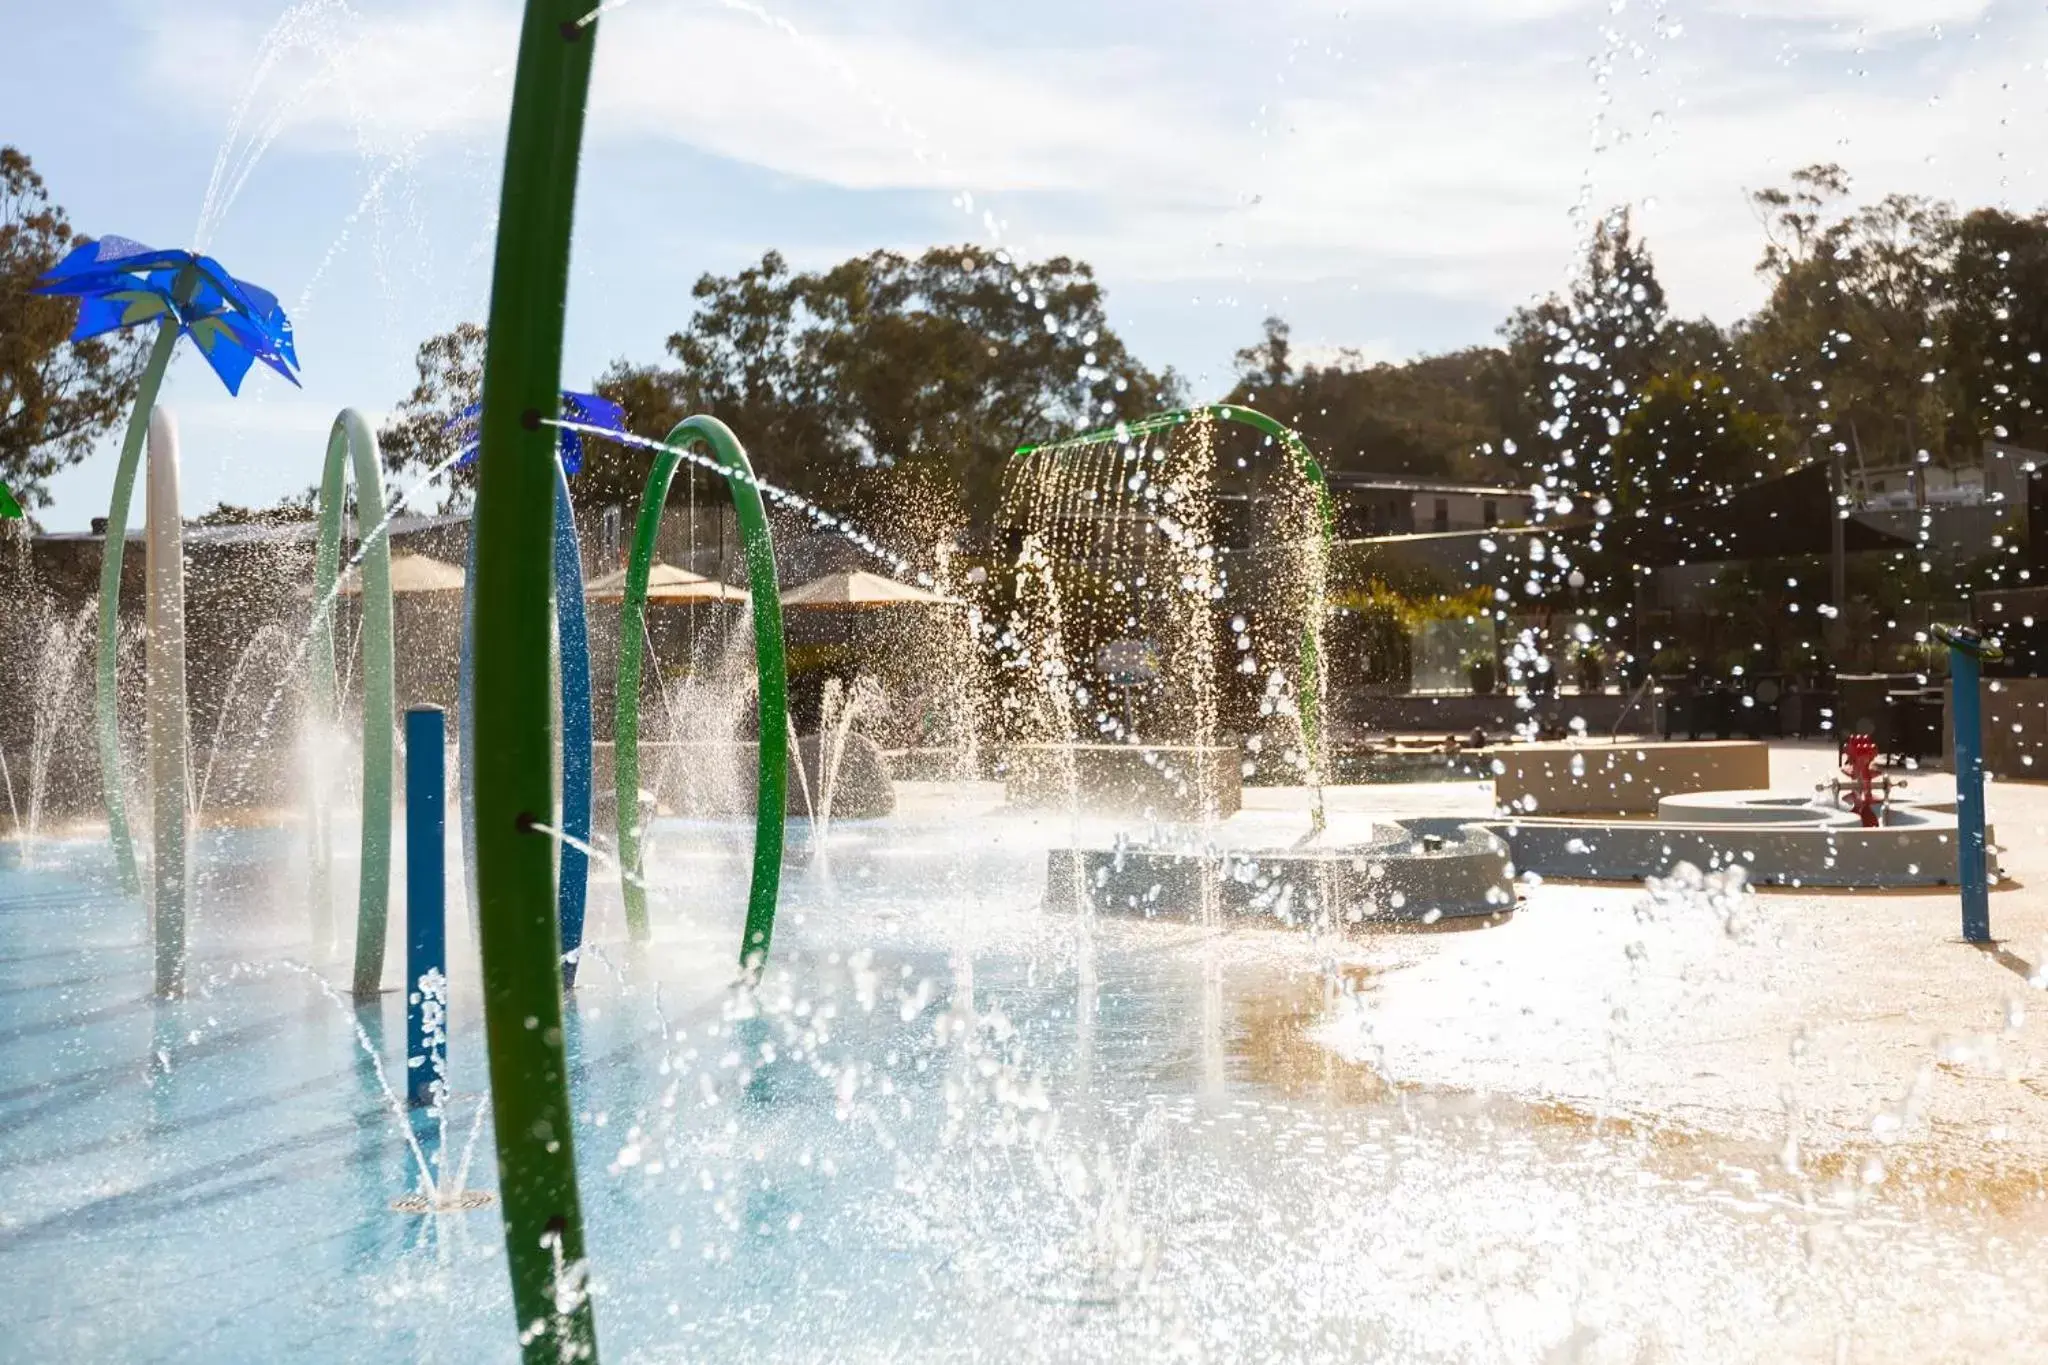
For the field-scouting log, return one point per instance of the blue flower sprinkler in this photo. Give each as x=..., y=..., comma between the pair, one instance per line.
x=118, y=284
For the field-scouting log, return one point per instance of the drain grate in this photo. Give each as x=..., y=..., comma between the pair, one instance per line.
x=462, y=1201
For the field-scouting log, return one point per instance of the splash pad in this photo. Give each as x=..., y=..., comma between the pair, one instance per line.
x=936, y=1113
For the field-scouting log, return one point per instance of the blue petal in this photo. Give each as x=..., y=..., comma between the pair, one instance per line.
x=229, y=358
x=98, y=315
x=228, y=361
x=593, y=411
x=110, y=263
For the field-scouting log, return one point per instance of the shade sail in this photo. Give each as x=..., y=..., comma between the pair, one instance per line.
x=411, y=573
x=858, y=589
x=666, y=583
x=1782, y=518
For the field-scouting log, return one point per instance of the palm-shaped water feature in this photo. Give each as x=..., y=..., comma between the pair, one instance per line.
x=121, y=283
x=1131, y=1213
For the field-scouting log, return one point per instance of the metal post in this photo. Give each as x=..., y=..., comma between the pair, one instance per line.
x=426, y=905
x=572, y=632
x=1963, y=676
x=1965, y=650
x=169, y=779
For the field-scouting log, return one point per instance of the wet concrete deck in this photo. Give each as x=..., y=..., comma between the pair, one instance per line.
x=1836, y=1022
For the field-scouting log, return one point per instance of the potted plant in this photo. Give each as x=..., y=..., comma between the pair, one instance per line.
x=1481, y=671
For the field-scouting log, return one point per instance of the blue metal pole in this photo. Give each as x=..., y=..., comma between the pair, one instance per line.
x=465, y=729
x=572, y=632
x=426, y=920
x=1964, y=672
x=1966, y=652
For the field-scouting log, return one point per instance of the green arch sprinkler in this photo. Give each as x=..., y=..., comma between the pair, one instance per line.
x=351, y=443
x=1309, y=676
x=119, y=284
x=770, y=665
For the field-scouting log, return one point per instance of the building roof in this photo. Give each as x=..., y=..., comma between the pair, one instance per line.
x=860, y=589
x=259, y=532
x=1396, y=483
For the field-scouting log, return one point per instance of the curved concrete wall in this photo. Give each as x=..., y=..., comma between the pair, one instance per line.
x=1622, y=779
x=1416, y=872
x=1777, y=838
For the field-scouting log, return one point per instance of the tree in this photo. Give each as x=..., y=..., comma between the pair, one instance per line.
x=429, y=427
x=1591, y=353
x=1433, y=417
x=426, y=428
x=944, y=364
x=1996, y=329
x=1851, y=335
x=56, y=398
x=1264, y=368
x=1687, y=437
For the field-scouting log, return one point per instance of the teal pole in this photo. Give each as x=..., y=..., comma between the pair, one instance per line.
x=770, y=665
x=351, y=443
x=1966, y=650
x=426, y=904
x=514, y=530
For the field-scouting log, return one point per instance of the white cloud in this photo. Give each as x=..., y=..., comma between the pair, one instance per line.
x=1874, y=18
x=1449, y=167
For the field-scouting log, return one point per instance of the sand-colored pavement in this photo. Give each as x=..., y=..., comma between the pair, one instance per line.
x=1843, y=1028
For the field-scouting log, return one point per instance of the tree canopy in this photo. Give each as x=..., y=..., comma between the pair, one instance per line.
x=56, y=398
x=935, y=366
x=882, y=376
x=1895, y=331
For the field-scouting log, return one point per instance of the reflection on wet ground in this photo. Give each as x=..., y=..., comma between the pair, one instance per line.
x=952, y=1126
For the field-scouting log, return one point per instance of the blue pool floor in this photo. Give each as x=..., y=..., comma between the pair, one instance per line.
x=982, y=1133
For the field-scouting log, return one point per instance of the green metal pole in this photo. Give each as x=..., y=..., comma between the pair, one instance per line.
x=351, y=442
x=324, y=701
x=514, y=530
x=770, y=666
x=626, y=715
x=107, y=693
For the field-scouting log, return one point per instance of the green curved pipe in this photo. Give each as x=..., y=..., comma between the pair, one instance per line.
x=107, y=680
x=517, y=924
x=1309, y=666
x=352, y=440
x=770, y=664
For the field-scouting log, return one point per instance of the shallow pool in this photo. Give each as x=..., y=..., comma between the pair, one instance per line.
x=950, y=1126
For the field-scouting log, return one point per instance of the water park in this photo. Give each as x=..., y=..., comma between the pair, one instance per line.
x=1213, y=900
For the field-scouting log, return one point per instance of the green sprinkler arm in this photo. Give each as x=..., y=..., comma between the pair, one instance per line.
x=770, y=663
x=351, y=442
x=520, y=940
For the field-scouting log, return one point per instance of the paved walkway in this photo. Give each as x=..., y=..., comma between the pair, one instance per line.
x=1851, y=1031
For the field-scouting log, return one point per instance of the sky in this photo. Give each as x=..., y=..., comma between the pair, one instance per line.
x=1390, y=176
